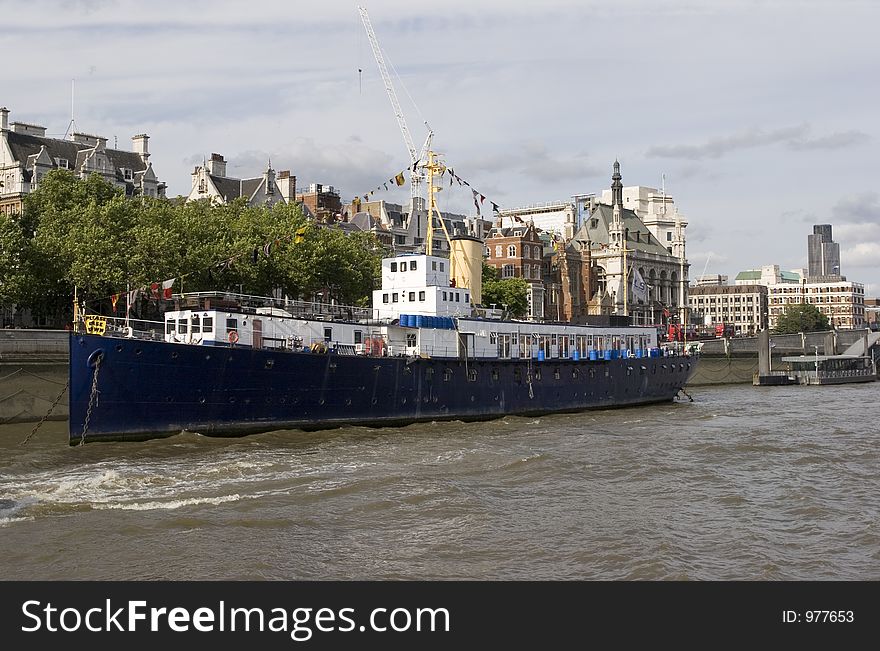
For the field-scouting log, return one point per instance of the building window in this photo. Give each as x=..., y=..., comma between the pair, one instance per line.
x=507, y=271
x=384, y=298
x=668, y=236
x=444, y=297
x=421, y=296
x=498, y=250
x=467, y=298
x=442, y=267
x=412, y=296
x=412, y=265
x=393, y=266
x=433, y=265
x=394, y=297
x=511, y=251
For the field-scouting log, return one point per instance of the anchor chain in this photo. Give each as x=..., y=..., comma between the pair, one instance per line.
x=46, y=417
x=93, y=399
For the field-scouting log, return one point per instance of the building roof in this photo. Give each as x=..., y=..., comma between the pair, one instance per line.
x=755, y=274
x=598, y=234
x=228, y=188
x=24, y=145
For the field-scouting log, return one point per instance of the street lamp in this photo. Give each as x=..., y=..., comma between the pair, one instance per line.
x=770, y=347
x=817, y=363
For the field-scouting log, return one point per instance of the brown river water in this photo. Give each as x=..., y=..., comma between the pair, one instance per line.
x=745, y=482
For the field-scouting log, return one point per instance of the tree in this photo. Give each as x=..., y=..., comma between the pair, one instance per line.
x=86, y=234
x=510, y=292
x=13, y=261
x=801, y=318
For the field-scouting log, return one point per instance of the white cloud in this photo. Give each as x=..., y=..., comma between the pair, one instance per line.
x=531, y=102
x=863, y=254
x=794, y=137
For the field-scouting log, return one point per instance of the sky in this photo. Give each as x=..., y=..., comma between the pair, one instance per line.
x=760, y=115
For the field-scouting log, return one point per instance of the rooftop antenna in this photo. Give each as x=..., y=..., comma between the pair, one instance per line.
x=72, y=124
x=663, y=185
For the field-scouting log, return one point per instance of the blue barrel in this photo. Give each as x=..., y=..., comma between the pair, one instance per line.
x=540, y=355
x=638, y=352
x=407, y=320
x=419, y=321
x=593, y=355
x=576, y=356
x=608, y=354
x=403, y=318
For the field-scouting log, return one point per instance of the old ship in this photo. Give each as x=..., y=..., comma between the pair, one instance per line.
x=224, y=365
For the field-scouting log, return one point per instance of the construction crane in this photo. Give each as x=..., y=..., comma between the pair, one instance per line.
x=417, y=174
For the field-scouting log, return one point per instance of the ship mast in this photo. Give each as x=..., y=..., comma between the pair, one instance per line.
x=434, y=167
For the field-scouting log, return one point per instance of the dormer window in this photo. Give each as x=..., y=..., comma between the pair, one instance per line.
x=62, y=163
x=127, y=174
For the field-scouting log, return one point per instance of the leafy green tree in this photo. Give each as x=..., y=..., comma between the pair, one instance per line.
x=512, y=292
x=85, y=233
x=804, y=317
x=14, y=268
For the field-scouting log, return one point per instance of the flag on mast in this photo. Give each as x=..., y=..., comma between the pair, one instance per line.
x=639, y=286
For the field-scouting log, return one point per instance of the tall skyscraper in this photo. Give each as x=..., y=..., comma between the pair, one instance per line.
x=823, y=254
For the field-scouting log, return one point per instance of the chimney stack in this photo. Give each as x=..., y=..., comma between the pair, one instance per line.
x=287, y=185
x=141, y=146
x=217, y=165
x=4, y=118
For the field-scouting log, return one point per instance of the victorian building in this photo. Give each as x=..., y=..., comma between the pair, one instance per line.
x=518, y=252
x=641, y=275
x=27, y=155
x=211, y=181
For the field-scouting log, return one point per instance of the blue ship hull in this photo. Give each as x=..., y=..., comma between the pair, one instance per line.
x=151, y=389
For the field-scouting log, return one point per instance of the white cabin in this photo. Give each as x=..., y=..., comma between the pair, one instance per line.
x=419, y=284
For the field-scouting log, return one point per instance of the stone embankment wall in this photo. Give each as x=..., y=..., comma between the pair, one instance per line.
x=33, y=373
x=734, y=361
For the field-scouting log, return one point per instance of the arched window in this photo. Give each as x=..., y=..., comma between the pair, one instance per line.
x=527, y=251
x=511, y=251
